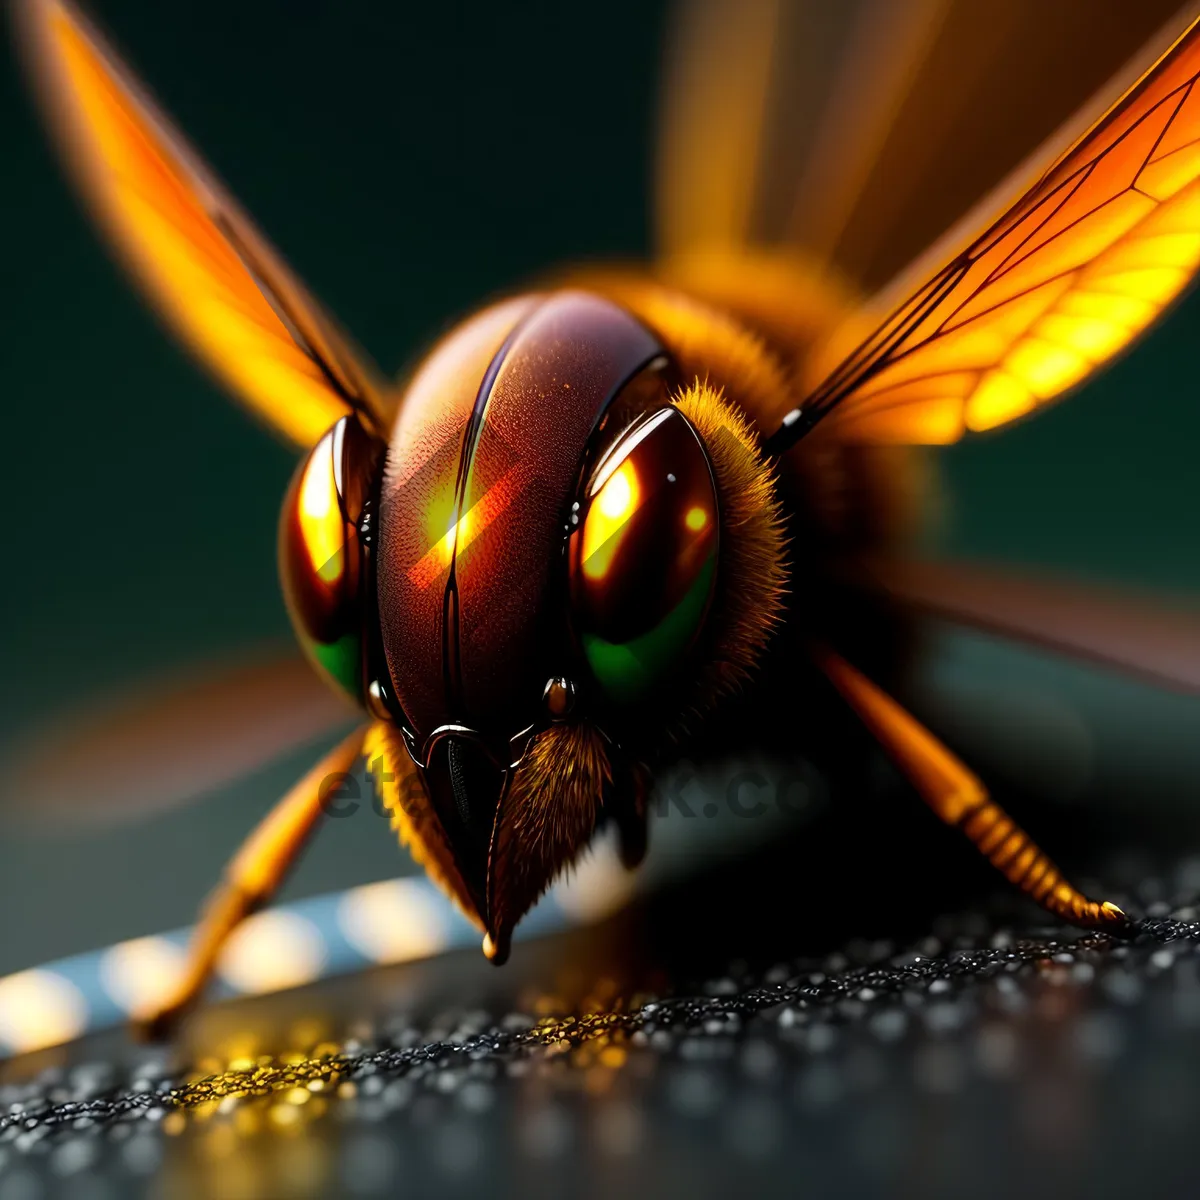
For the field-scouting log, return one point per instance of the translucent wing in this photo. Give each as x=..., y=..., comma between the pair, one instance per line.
x=128, y=756
x=1139, y=635
x=205, y=267
x=856, y=133
x=1080, y=264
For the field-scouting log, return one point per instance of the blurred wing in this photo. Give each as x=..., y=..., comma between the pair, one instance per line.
x=205, y=267
x=1089, y=256
x=856, y=133
x=1127, y=632
x=137, y=754
x=716, y=80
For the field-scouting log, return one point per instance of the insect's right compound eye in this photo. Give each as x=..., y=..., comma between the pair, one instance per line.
x=643, y=557
x=321, y=559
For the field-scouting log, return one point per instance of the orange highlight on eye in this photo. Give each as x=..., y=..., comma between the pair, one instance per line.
x=615, y=503
x=321, y=523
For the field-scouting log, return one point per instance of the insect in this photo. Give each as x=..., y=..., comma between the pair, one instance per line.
x=563, y=543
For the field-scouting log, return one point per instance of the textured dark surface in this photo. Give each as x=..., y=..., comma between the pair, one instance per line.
x=984, y=1054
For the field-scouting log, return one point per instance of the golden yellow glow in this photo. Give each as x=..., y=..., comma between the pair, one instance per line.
x=935, y=422
x=393, y=921
x=1088, y=238
x=1169, y=250
x=1162, y=179
x=1044, y=367
x=37, y=1009
x=902, y=396
x=141, y=975
x=174, y=1124
x=271, y=951
x=1155, y=285
x=1056, y=286
x=321, y=524
x=461, y=533
x=617, y=497
x=1129, y=311
x=159, y=219
x=439, y=556
x=611, y=509
x=998, y=399
x=1093, y=337
x=713, y=130
x=440, y=519
x=695, y=518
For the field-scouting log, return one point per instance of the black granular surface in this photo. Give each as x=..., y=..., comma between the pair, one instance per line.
x=798, y=1022
x=832, y=1067
x=855, y=994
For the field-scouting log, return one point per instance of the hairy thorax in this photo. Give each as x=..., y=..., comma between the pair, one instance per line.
x=747, y=327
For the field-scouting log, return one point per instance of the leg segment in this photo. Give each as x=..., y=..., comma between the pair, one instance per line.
x=253, y=876
x=958, y=798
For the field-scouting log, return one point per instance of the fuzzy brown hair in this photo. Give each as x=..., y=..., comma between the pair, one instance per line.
x=402, y=791
x=546, y=818
x=752, y=575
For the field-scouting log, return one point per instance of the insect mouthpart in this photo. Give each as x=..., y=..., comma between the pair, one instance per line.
x=465, y=785
x=476, y=785
x=504, y=830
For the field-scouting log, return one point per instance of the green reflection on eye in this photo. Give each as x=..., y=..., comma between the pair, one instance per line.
x=342, y=662
x=627, y=671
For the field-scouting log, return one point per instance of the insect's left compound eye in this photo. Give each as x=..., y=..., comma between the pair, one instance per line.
x=321, y=559
x=642, y=559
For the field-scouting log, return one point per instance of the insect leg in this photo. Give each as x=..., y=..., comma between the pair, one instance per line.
x=627, y=804
x=958, y=797
x=253, y=876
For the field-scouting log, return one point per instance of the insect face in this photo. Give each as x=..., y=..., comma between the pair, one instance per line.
x=482, y=471
x=547, y=560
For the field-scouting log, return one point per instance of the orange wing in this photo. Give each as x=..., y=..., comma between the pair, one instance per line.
x=210, y=273
x=1082, y=263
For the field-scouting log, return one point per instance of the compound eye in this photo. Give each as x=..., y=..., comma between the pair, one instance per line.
x=642, y=560
x=321, y=558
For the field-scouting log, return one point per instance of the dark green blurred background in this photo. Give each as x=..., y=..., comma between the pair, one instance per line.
x=410, y=161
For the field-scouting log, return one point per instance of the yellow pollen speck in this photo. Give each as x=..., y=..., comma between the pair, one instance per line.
x=283, y=1115
x=222, y=1141
x=612, y=1056
x=246, y=1120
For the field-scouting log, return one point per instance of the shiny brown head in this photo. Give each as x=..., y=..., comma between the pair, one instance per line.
x=533, y=585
